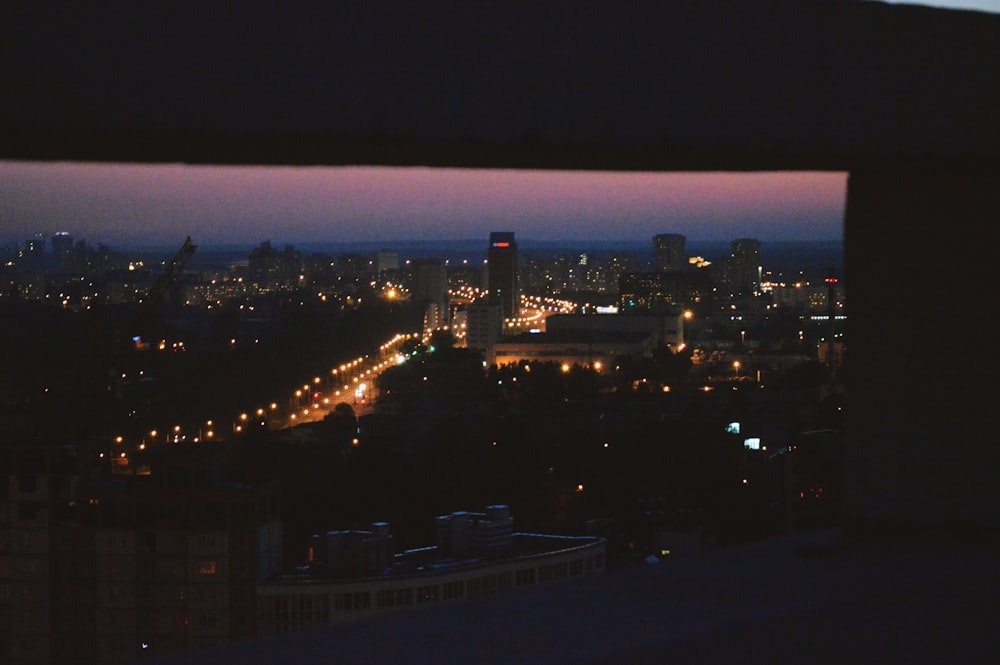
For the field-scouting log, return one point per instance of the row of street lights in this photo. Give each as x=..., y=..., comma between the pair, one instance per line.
x=353, y=374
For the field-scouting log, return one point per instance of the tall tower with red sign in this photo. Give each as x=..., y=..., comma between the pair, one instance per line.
x=501, y=265
x=831, y=308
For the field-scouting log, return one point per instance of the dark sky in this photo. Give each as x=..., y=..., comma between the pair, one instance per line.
x=138, y=205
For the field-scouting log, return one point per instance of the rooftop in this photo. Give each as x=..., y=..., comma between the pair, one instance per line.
x=821, y=598
x=430, y=559
x=576, y=336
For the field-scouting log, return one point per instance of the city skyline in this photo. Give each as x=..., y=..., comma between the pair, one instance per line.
x=134, y=206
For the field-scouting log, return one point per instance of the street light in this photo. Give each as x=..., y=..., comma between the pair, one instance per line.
x=736, y=366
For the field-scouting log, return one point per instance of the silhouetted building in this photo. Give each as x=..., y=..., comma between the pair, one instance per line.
x=270, y=268
x=662, y=292
x=44, y=603
x=806, y=297
x=484, y=325
x=145, y=553
x=482, y=535
x=353, y=266
x=318, y=268
x=62, y=251
x=386, y=260
x=465, y=276
x=738, y=275
x=178, y=561
x=32, y=255
x=502, y=269
x=668, y=251
x=352, y=553
x=430, y=284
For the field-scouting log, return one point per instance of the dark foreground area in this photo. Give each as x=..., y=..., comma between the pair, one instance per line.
x=817, y=598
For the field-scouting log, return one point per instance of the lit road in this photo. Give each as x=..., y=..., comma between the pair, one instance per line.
x=353, y=383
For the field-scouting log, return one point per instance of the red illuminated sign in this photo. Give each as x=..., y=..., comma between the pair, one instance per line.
x=501, y=244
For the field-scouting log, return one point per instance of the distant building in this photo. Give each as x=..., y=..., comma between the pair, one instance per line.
x=484, y=325
x=594, y=348
x=430, y=285
x=354, y=267
x=269, y=268
x=662, y=292
x=465, y=276
x=32, y=256
x=669, y=252
x=318, y=269
x=804, y=297
x=386, y=260
x=502, y=272
x=352, y=553
x=739, y=274
x=435, y=318
x=478, y=555
x=62, y=251
x=127, y=286
x=486, y=535
x=460, y=327
x=666, y=329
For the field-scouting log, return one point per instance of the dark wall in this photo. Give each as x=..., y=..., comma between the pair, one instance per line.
x=922, y=433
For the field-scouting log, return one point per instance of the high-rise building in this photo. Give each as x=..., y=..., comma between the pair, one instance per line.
x=62, y=251
x=744, y=267
x=668, y=251
x=37, y=492
x=430, y=290
x=269, y=267
x=430, y=283
x=32, y=256
x=434, y=319
x=502, y=266
x=145, y=554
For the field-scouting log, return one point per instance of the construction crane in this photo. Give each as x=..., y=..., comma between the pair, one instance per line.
x=147, y=305
x=173, y=269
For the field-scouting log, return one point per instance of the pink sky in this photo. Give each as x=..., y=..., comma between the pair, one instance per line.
x=136, y=205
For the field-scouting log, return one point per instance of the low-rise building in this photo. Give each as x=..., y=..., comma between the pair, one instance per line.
x=586, y=348
x=478, y=555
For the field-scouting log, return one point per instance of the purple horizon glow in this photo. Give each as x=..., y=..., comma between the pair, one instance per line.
x=134, y=205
